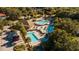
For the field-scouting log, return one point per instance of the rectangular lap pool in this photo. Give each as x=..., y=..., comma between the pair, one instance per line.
x=32, y=36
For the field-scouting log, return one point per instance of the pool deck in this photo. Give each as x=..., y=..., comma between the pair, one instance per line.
x=38, y=34
x=35, y=43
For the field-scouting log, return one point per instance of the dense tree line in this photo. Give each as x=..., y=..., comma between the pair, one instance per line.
x=15, y=12
x=65, y=36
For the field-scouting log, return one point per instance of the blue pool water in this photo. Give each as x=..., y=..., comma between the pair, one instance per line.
x=10, y=35
x=50, y=28
x=42, y=22
x=44, y=39
x=35, y=39
x=9, y=39
x=32, y=36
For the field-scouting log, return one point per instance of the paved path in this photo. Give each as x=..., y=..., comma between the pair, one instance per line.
x=20, y=38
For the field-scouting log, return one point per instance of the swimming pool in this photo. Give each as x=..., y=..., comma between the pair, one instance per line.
x=10, y=35
x=9, y=39
x=50, y=28
x=42, y=22
x=32, y=36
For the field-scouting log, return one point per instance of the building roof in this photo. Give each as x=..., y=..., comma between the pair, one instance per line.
x=2, y=14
